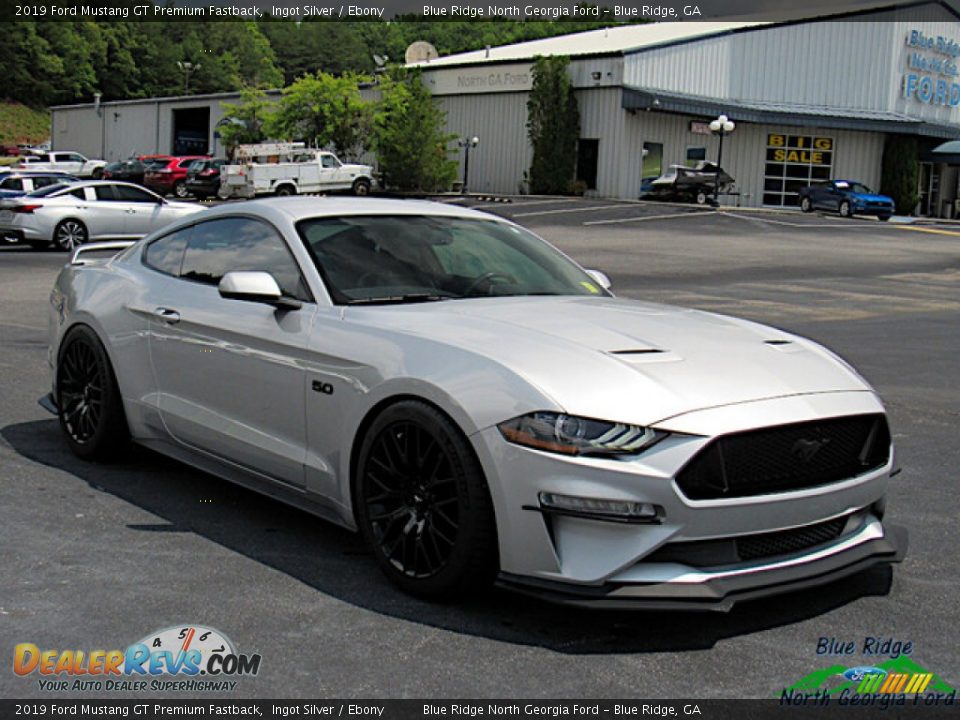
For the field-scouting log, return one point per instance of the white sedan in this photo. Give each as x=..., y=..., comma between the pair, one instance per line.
x=69, y=215
x=476, y=404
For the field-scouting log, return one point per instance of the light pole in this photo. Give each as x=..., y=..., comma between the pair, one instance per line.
x=721, y=126
x=466, y=144
x=186, y=68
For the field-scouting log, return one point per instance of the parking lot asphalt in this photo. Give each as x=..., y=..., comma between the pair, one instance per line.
x=98, y=556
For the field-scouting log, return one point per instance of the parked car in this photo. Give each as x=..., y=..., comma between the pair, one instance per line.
x=171, y=177
x=17, y=183
x=478, y=405
x=133, y=170
x=68, y=162
x=847, y=197
x=203, y=177
x=71, y=215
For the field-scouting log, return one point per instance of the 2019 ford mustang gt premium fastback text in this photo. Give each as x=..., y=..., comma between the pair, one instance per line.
x=476, y=404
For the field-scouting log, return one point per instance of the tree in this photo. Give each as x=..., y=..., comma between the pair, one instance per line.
x=553, y=126
x=245, y=122
x=324, y=110
x=900, y=172
x=412, y=148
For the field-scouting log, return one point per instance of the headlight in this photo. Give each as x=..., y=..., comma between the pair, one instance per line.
x=571, y=435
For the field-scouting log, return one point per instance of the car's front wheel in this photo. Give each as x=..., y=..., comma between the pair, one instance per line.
x=361, y=187
x=70, y=234
x=806, y=205
x=423, y=505
x=88, y=399
x=845, y=209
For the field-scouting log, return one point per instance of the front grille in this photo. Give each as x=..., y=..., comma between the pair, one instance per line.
x=787, y=457
x=730, y=551
x=785, y=542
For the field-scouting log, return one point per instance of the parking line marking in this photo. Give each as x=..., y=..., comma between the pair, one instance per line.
x=643, y=218
x=935, y=231
x=524, y=203
x=849, y=226
x=564, y=210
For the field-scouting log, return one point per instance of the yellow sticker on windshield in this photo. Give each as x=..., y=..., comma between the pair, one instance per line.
x=590, y=286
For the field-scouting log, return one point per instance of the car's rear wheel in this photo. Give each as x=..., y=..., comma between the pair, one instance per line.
x=88, y=399
x=70, y=234
x=845, y=209
x=285, y=191
x=701, y=198
x=806, y=205
x=883, y=218
x=423, y=505
x=180, y=189
x=361, y=187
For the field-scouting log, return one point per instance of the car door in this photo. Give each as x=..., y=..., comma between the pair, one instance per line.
x=145, y=211
x=230, y=374
x=106, y=215
x=68, y=162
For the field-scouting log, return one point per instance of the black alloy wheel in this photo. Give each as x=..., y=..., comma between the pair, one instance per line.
x=88, y=399
x=422, y=503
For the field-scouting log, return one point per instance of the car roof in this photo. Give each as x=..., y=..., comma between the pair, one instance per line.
x=303, y=207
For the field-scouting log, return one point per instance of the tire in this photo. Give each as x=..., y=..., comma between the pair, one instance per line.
x=285, y=191
x=701, y=198
x=88, y=400
x=97, y=173
x=70, y=234
x=883, y=218
x=805, y=205
x=361, y=187
x=180, y=190
x=845, y=209
x=422, y=504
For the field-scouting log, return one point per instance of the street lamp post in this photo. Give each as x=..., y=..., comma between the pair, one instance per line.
x=466, y=144
x=721, y=126
x=186, y=68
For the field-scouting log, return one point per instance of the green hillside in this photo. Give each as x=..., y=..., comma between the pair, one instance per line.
x=20, y=124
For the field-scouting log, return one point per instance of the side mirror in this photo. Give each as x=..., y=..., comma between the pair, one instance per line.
x=601, y=279
x=255, y=287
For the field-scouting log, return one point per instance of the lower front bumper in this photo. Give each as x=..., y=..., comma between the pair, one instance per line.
x=720, y=592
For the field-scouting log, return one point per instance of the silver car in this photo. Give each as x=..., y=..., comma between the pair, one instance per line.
x=69, y=215
x=476, y=404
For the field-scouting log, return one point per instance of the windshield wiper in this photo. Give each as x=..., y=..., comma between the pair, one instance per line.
x=398, y=299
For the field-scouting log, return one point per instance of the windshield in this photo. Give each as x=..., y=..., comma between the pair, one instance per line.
x=155, y=163
x=389, y=259
x=861, y=188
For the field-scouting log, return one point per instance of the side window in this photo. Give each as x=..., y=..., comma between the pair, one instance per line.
x=221, y=246
x=39, y=182
x=79, y=193
x=132, y=194
x=73, y=157
x=12, y=183
x=166, y=254
x=329, y=161
x=105, y=193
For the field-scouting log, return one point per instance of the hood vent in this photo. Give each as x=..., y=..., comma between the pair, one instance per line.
x=777, y=343
x=645, y=351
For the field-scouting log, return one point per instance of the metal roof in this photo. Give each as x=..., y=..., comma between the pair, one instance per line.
x=756, y=111
x=610, y=40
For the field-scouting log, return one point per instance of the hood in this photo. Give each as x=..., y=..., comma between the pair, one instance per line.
x=871, y=198
x=625, y=360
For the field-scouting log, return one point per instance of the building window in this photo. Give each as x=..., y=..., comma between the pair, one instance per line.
x=588, y=156
x=695, y=156
x=794, y=162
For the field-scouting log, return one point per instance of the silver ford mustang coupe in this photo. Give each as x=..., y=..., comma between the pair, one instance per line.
x=476, y=404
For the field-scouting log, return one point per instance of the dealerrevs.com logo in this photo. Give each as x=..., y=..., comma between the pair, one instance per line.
x=187, y=658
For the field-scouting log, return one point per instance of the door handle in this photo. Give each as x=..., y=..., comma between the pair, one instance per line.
x=131, y=211
x=171, y=317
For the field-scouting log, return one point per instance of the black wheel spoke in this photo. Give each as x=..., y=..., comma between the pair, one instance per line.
x=407, y=487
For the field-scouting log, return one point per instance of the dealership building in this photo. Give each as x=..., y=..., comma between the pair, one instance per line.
x=812, y=99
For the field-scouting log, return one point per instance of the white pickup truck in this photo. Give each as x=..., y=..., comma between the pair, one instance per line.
x=69, y=162
x=306, y=171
